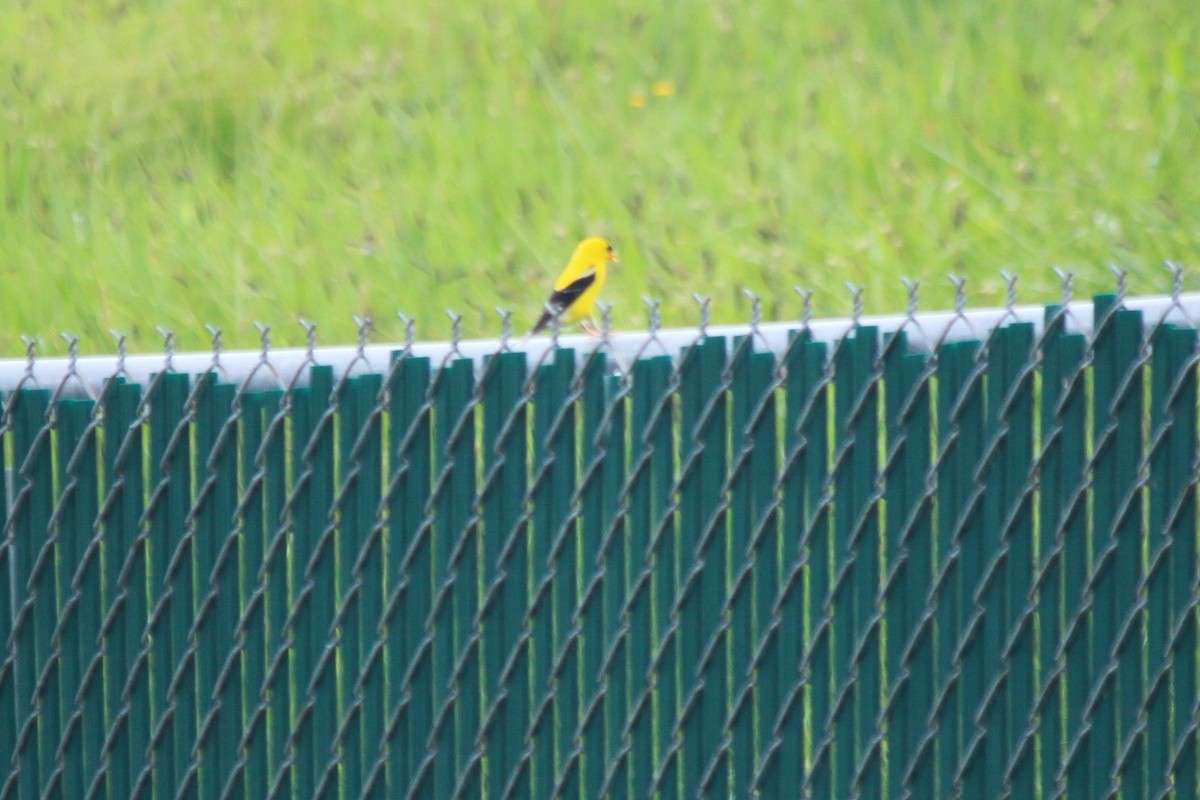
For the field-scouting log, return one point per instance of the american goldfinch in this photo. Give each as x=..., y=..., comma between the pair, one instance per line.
x=579, y=284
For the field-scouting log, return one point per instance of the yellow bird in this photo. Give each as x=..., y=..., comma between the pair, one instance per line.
x=579, y=284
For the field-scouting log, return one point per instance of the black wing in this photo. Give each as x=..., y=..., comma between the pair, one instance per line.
x=563, y=298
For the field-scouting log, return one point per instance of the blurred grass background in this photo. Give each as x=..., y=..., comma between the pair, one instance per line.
x=182, y=162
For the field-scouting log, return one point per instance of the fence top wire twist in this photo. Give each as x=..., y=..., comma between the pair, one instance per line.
x=269, y=368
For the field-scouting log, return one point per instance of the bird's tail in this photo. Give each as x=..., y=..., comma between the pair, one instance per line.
x=542, y=322
x=536, y=329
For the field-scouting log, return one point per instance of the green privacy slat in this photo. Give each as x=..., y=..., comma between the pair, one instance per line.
x=312, y=579
x=836, y=730
x=1016, y=521
x=8, y=678
x=984, y=712
x=582, y=773
x=969, y=533
x=811, y=422
x=832, y=605
x=1117, y=552
x=1182, y=518
x=1108, y=375
x=1160, y=534
x=613, y=774
x=468, y=587
x=456, y=584
x=1048, y=582
x=917, y=774
x=439, y=774
x=87, y=584
x=856, y=573
x=868, y=767
x=58, y=678
x=226, y=580
x=1183, y=556
x=650, y=462
x=33, y=582
x=553, y=477
x=455, y=579
x=1062, y=537
x=909, y=558
x=943, y=716
x=371, y=688
x=200, y=780
x=218, y=555
x=664, y=544
x=50, y=582
x=363, y=685
x=739, y=728
x=1130, y=571
x=779, y=752
x=1125, y=493
x=274, y=694
x=124, y=608
x=900, y=621
x=350, y=536
x=78, y=564
x=959, y=439
x=179, y=582
x=356, y=513
x=451, y=394
x=252, y=627
x=168, y=482
x=1072, y=664
x=563, y=562
x=410, y=689
x=677, y=529
x=754, y=547
x=1171, y=550
x=704, y=558
x=320, y=693
x=300, y=752
x=506, y=569
x=765, y=377
x=8, y=595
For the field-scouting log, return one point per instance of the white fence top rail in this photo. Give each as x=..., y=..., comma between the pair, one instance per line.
x=88, y=374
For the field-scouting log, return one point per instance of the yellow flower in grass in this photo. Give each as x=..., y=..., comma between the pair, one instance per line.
x=663, y=88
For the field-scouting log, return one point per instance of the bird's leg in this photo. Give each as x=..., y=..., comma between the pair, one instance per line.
x=589, y=327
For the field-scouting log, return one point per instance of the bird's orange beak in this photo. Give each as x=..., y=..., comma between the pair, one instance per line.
x=612, y=256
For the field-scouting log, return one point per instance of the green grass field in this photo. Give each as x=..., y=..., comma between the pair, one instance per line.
x=184, y=162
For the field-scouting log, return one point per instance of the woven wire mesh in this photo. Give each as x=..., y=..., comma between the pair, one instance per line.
x=846, y=568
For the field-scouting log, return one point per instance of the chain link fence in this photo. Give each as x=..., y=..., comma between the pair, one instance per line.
x=946, y=555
